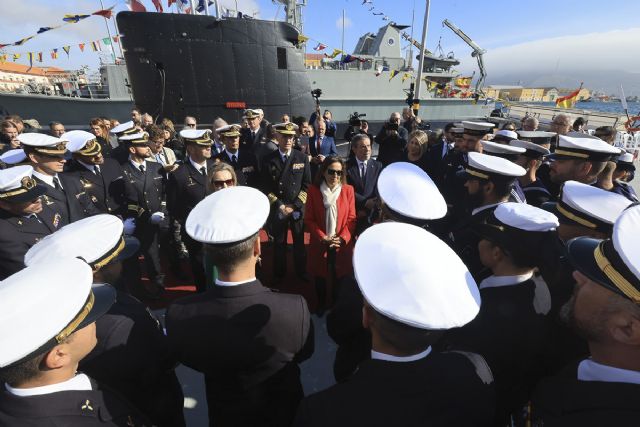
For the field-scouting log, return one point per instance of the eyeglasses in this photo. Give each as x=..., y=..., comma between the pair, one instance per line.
x=191, y=125
x=334, y=172
x=223, y=183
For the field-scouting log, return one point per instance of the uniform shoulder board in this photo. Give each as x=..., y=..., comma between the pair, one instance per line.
x=482, y=368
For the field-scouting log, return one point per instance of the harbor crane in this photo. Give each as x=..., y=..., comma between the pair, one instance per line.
x=477, y=53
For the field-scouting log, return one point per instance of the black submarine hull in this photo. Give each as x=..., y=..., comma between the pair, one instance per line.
x=189, y=65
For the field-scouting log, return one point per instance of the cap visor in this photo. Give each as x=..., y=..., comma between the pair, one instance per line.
x=104, y=297
x=30, y=195
x=131, y=247
x=581, y=257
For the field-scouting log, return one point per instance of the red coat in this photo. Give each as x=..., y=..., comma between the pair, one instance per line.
x=314, y=221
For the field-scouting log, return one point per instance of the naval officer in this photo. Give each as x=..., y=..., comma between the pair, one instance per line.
x=406, y=382
x=43, y=342
x=489, y=181
x=246, y=339
x=64, y=194
x=603, y=389
x=128, y=332
x=187, y=186
x=24, y=219
x=531, y=160
x=101, y=177
x=242, y=159
x=398, y=185
x=286, y=177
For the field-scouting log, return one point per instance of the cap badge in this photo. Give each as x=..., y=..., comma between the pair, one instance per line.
x=87, y=406
x=28, y=182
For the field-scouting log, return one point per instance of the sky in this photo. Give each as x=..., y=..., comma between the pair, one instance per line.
x=548, y=36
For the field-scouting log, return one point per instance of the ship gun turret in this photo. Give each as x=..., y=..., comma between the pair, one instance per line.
x=477, y=53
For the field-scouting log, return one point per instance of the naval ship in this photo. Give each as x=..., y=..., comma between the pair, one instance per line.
x=210, y=66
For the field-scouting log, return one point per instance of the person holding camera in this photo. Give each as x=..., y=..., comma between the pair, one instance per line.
x=392, y=140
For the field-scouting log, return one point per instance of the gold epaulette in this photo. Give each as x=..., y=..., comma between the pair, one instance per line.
x=302, y=196
x=272, y=198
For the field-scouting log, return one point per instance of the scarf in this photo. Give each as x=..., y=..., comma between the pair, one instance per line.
x=329, y=198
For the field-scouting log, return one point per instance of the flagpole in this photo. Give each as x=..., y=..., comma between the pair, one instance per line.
x=106, y=21
x=425, y=27
x=342, y=45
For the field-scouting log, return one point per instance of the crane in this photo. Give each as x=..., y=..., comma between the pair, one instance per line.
x=477, y=52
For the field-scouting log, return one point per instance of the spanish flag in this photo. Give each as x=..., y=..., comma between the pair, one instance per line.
x=463, y=82
x=570, y=100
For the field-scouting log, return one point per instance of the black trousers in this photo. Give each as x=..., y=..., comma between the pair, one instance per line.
x=150, y=249
x=195, y=260
x=279, y=228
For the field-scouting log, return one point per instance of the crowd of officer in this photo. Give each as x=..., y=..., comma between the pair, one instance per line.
x=495, y=278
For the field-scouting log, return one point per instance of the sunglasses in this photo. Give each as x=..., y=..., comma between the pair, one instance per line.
x=191, y=125
x=223, y=183
x=334, y=172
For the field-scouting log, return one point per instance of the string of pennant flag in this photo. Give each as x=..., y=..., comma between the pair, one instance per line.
x=30, y=57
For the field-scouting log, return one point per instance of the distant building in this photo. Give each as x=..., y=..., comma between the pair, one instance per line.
x=313, y=60
x=501, y=91
x=550, y=94
x=582, y=95
x=530, y=94
x=14, y=77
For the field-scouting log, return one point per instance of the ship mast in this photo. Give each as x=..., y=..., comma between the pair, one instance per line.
x=293, y=12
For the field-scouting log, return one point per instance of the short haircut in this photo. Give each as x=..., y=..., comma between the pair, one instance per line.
x=531, y=119
x=606, y=132
x=597, y=167
x=299, y=120
x=20, y=373
x=404, y=338
x=449, y=126
x=52, y=124
x=136, y=109
x=357, y=138
x=501, y=186
x=318, y=121
x=155, y=131
x=226, y=257
x=189, y=117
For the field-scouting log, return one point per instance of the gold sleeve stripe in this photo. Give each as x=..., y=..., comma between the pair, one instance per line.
x=618, y=279
x=303, y=196
x=272, y=198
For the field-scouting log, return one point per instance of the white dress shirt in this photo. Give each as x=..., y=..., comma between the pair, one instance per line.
x=500, y=281
x=588, y=370
x=78, y=382
x=375, y=355
x=47, y=179
x=222, y=283
x=197, y=166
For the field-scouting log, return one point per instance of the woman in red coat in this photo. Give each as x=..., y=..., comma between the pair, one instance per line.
x=330, y=218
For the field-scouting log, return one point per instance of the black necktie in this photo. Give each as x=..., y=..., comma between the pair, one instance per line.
x=56, y=183
x=234, y=160
x=96, y=169
x=203, y=171
x=362, y=170
x=253, y=136
x=141, y=167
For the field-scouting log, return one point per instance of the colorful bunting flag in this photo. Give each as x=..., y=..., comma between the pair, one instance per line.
x=23, y=41
x=39, y=56
x=170, y=3
x=95, y=46
x=302, y=38
x=158, y=5
x=74, y=19
x=54, y=54
x=44, y=29
x=136, y=6
x=116, y=39
x=16, y=56
x=106, y=41
x=320, y=47
x=106, y=13
x=66, y=50
x=3, y=57
x=405, y=76
x=30, y=56
x=81, y=46
x=393, y=74
x=347, y=59
x=335, y=53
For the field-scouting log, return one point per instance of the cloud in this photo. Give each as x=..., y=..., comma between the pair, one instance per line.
x=610, y=50
x=347, y=22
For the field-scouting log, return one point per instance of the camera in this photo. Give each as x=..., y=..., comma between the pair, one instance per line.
x=392, y=126
x=354, y=119
x=316, y=93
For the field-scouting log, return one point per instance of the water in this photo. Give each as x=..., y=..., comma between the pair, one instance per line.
x=605, y=107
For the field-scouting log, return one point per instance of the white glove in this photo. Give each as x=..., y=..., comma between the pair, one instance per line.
x=129, y=226
x=156, y=218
